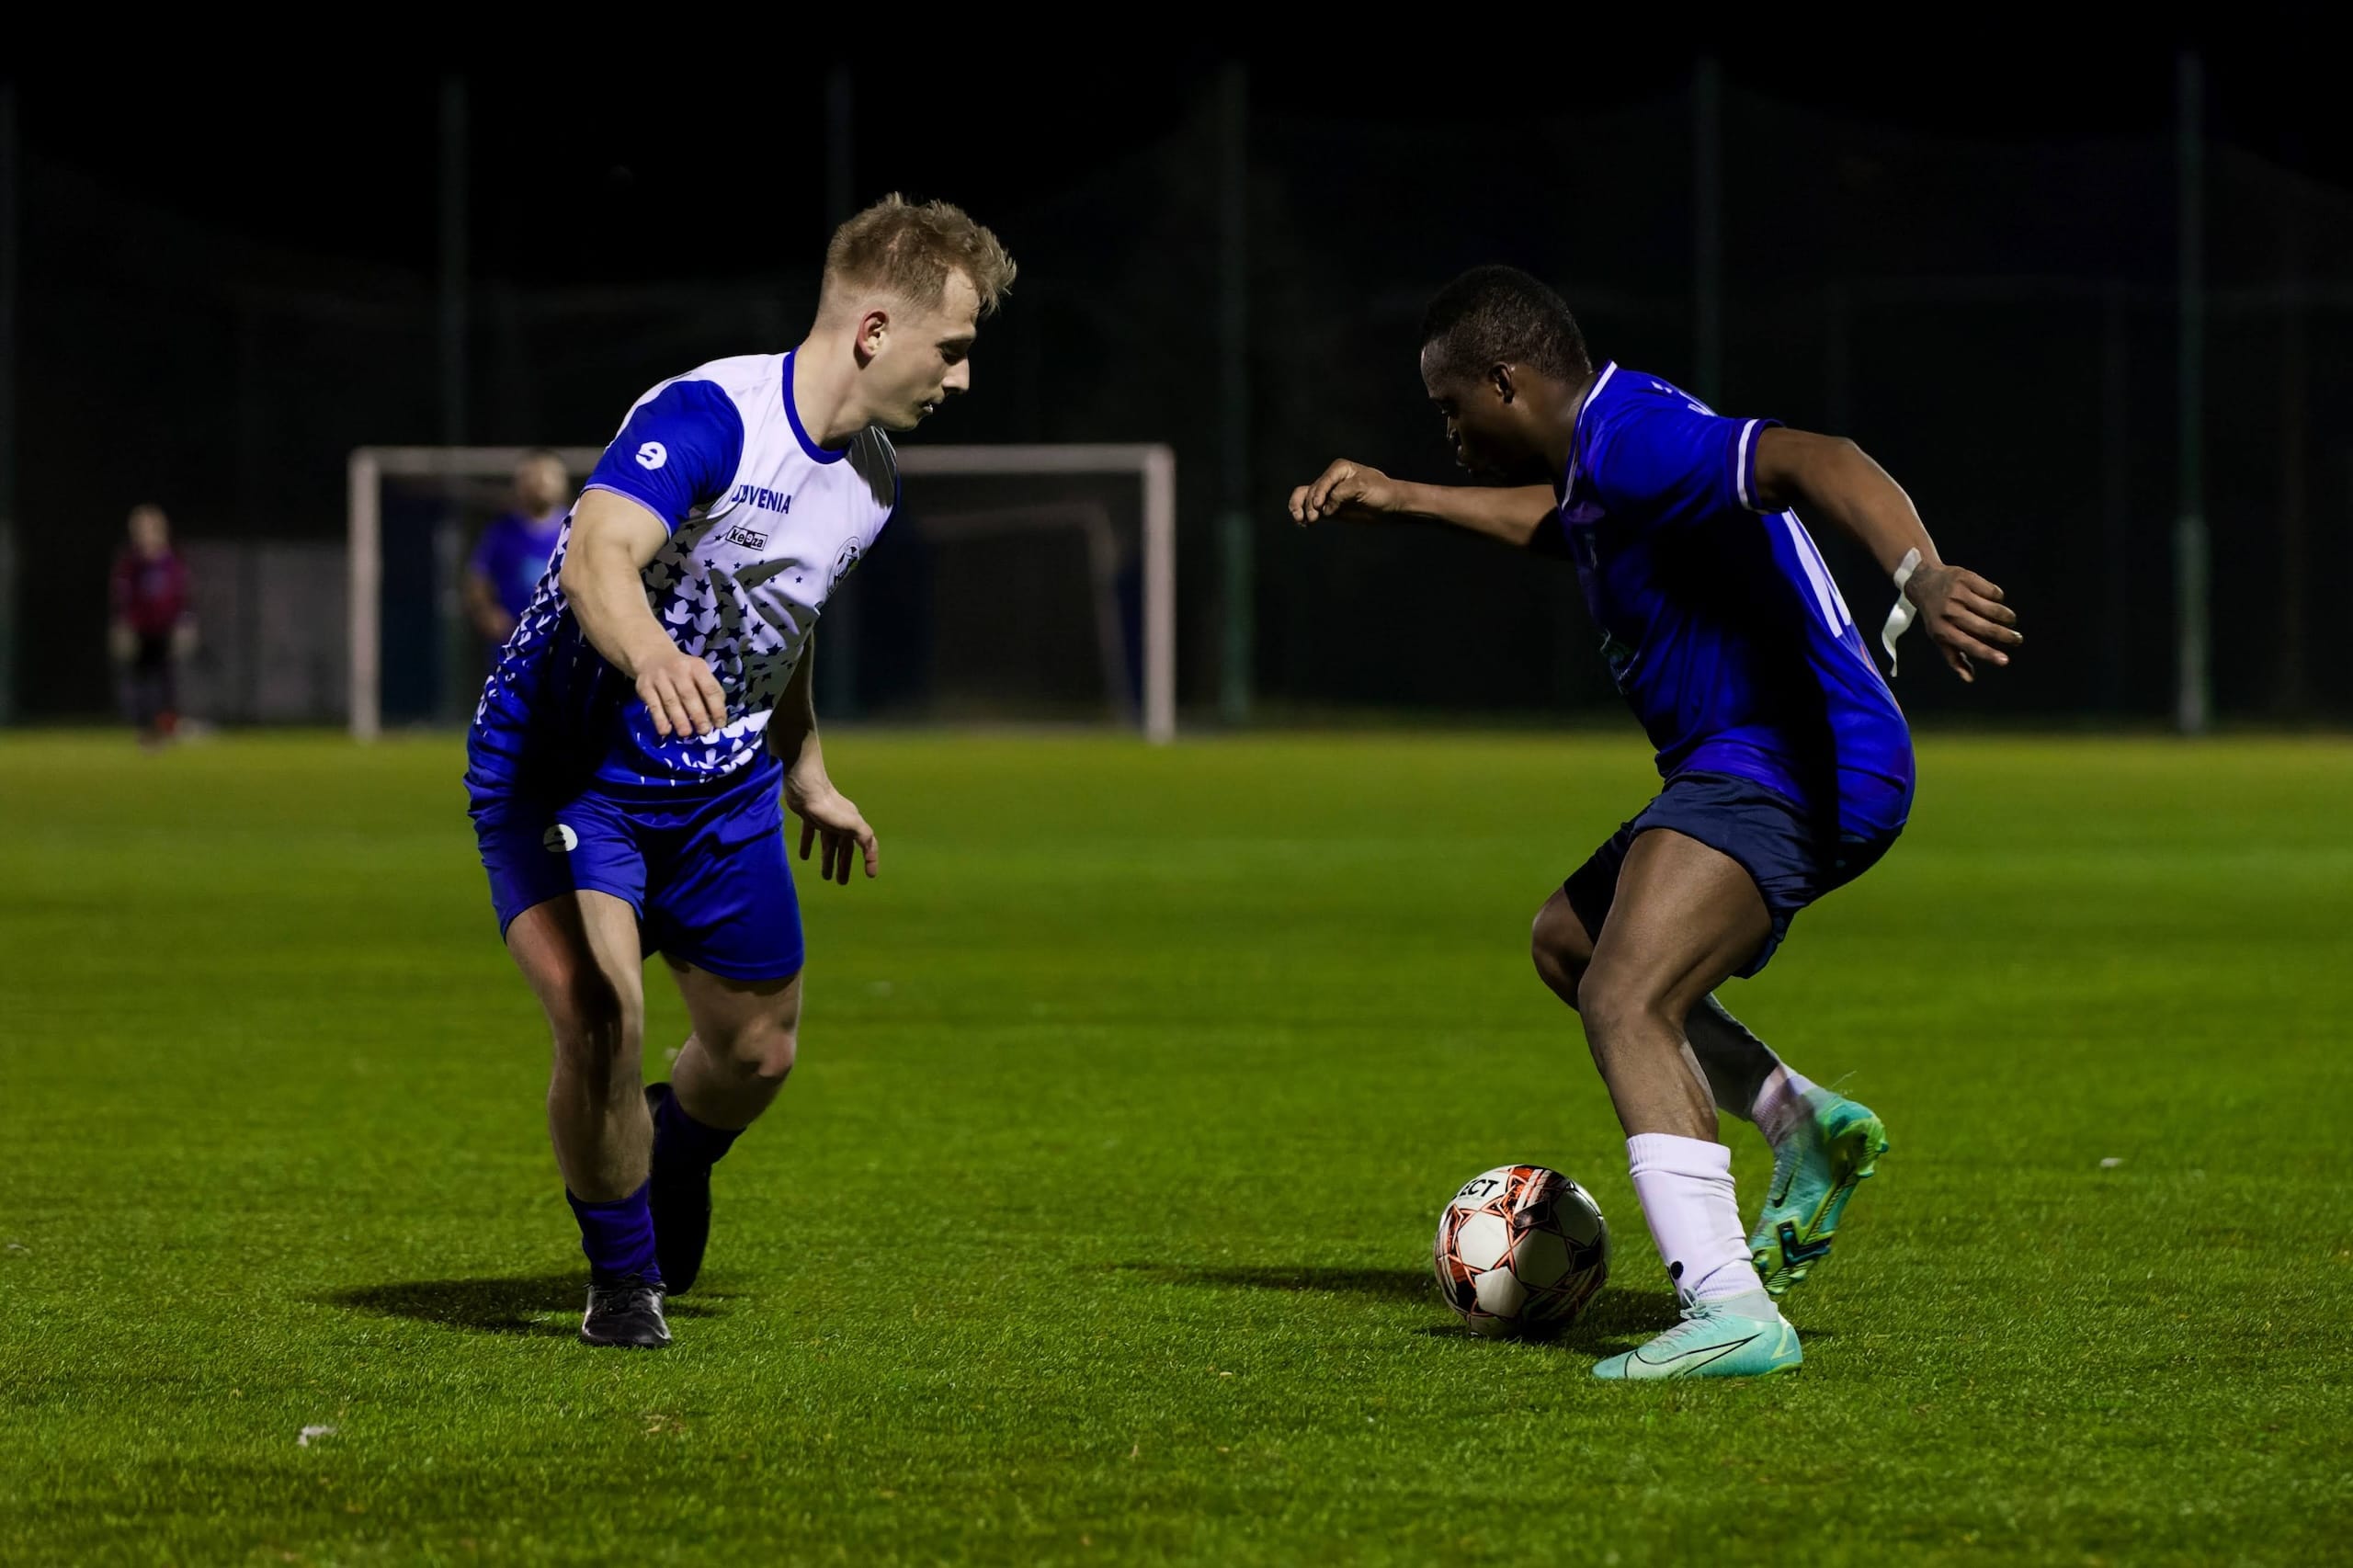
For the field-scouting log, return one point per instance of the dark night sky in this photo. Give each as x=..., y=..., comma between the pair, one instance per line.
x=577, y=185
x=1912, y=230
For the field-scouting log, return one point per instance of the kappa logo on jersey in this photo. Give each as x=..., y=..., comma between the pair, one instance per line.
x=653, y=454
x=560, y=840
x=765, y=499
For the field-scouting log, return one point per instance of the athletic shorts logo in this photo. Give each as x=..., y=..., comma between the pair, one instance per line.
x=653, y=454
x=561, y=840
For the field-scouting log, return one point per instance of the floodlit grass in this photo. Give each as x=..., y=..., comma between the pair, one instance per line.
x=1095, y=1223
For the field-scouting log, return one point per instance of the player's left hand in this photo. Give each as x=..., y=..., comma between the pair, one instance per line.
x=1964, y=617
x=829, y=815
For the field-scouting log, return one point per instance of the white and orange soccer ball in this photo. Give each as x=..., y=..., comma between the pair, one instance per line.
x=1520, y=1250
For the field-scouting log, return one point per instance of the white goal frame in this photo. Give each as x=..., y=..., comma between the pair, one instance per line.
x=1152, y=464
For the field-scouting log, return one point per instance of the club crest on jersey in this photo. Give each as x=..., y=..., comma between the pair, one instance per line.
x=841, y=565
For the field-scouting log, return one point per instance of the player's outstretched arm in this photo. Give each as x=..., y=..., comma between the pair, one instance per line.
x=1349, y=491
x=612, y=538
x=825, y=812
x=1832, y=477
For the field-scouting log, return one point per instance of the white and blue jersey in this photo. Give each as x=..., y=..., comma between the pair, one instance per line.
x=764, y=524
x=1722, y=626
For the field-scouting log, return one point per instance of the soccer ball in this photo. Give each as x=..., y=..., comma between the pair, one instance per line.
x=1520, y=1250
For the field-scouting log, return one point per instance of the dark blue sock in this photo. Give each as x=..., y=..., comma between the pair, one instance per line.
x=618, y=1237
x=678, y=1136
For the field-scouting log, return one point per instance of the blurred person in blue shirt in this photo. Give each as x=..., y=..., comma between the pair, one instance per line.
x=512, y=555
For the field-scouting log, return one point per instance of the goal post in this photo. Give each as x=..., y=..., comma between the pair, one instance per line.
x=367, y=473
x=1154, y=468
x=996, y=505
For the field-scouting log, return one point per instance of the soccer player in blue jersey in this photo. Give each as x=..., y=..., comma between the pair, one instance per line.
x=626, y=761
x=1787, y=764
x=511, y=554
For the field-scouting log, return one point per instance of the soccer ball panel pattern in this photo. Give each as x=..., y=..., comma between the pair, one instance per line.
x=1483, y=1241
x=1520, y=1249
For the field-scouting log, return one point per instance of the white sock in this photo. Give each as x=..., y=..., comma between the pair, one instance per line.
x=1781, y=1103
x=1684, y=1185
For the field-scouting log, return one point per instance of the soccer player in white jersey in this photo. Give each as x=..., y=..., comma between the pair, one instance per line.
x=625, y=763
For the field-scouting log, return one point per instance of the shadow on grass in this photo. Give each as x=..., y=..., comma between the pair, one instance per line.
x=1616, y=1320
x=540, y=1304
x=1389, y=1284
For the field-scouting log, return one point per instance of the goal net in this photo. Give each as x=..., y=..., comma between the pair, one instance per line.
x=1017, y=585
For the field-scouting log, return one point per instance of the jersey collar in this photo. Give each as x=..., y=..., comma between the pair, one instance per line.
x=1592, y=392
x=817, y=453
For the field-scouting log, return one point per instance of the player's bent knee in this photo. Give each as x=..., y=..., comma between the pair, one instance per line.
x=773, y=1062
x=1553, y=970
x=764, y=1050
x=591, y=1015
x=1561, y=950
x=1613, y=999
x=768, y=1056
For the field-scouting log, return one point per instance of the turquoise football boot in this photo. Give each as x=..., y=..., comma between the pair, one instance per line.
x=1744, y=1336
x=1816, y=1170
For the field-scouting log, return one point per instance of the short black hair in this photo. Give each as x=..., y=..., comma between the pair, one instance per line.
x=1495, y=316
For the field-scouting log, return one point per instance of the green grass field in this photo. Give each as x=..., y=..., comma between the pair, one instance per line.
x=1095, y=1223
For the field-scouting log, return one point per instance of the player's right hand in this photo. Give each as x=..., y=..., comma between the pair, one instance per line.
x=1344, y=491
x=682, y=695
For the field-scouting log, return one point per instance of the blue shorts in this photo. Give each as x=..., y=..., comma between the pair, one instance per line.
x=1793, y=858
x=706, y=871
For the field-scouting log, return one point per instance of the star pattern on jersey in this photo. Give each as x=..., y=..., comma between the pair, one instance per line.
x=742, y=600
x=533, y=628
x=712, y=615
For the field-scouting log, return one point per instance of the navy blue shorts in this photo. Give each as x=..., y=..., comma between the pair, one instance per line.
x=706, y=871
x=1793, y=858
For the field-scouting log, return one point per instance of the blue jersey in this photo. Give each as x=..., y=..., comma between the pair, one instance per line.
x=1721, y=624
x=764, y=525
x=512, y=556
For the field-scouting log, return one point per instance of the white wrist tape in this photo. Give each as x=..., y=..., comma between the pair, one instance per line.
x=1899, y=620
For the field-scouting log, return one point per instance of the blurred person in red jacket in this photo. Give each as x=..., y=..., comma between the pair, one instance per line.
x=152, y=627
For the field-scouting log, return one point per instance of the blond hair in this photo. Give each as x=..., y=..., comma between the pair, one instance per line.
x=910, y=249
